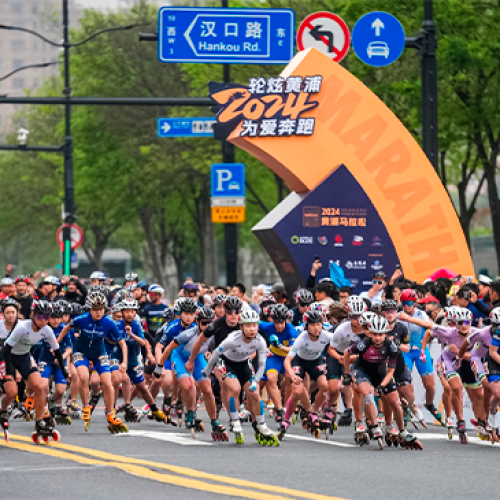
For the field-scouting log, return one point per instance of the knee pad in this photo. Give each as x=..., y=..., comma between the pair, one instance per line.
x=368, y=399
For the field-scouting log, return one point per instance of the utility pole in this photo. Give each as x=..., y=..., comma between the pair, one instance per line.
x=426, y=43
x=230, y=230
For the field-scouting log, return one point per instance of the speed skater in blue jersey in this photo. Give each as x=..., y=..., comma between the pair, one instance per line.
x=89, y=347
x=280, y=336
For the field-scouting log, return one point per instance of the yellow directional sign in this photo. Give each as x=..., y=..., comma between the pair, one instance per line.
x=228, y=215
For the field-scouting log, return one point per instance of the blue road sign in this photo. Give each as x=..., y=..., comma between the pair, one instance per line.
x=228, y=180
x=211, y=35
x=378, y=39
x=186, y=127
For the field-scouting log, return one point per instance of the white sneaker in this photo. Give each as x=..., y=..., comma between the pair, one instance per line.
x=235, y=426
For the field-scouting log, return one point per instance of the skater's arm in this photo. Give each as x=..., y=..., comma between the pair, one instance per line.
x=213, y=360
x=420, y=322
x=9, y=367
x=124, y=348
x=137, y=338
x=388, y=377
x=425, y=340
x=60, y=360
x=262, y=357
x=196, y=349
x=64, y=332
x=168, y=351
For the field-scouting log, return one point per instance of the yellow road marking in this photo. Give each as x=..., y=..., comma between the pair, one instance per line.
x=185, y=471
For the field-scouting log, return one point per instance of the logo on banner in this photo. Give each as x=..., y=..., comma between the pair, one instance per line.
x=323, y=240
x=266, y=108
x=377, y=242
x=355, y=264
x=302, y=240
x=338, y=241
x=357, y=241
x=377, y=266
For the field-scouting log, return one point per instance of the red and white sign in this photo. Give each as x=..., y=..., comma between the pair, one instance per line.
x=76, y=236
x=327, y=33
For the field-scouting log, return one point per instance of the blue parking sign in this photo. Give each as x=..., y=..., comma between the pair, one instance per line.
x=378, y=39
x=228, y=180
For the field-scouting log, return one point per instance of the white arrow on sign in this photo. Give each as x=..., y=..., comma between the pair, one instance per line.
x=378, y=25
x=165, y=127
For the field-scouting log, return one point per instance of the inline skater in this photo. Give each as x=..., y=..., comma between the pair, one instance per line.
x=17, y=357
x=280, y=336
x=493, y=360
x=342, y=337
x=187, y=308
x=232, y=357
x=179, y=351
x=374, y=368
x=416, y=355
x=89, y=346
x=49, y=367
x=218, y=305
x=303, y=298
x=131, y=279
x=306, y=357
x=153, y=312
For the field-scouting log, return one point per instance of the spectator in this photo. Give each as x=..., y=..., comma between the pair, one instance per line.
x=279, y=293
x=495, y=294
x=22, y=296
x=75, y=290
x=344, y=292
x=376, y=293
x=8, y=287
x=467, y=297
x=324, y=292
x=484, y=282
x=433, y=309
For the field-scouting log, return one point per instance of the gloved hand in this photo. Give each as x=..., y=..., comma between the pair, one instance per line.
x=383, y=389
x=273, y=339
x=158, y=371
x=252, y=387
x=422, y=356
x=347, y=379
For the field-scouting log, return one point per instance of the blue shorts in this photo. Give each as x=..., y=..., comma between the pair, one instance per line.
x=135, y=373
x=168, y=364
x=493, y=378
x=275, y=364
x=413, y=356
x=101, y=364
x=114, y=364
x=179, y=366
x=48, y=369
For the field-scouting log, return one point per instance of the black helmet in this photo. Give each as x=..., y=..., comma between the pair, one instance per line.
x=376, y=308
x=188, y=305
x=41, y=307
x=304, y=297
x=9, y=301
x=313, y=316
x=58, y=309
x=233, y=303
x=168, y=314
x=219, y=299
x=389, y=305
x=279, y=313
x=66, y=306
x=98, y=288
x=380, y=275
x=77, y=309
x=96, y=300
x=205, y=313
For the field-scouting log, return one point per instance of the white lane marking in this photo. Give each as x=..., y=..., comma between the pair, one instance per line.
x=171, y=437
x=444, y=437
x=321, y=441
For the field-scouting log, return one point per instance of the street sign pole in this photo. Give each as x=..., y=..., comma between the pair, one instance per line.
x=230, y=230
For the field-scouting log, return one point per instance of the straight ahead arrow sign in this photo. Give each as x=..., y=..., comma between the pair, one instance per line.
x=378, y=25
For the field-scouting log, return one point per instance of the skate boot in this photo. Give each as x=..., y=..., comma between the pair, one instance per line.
x=482, y=433
x=285, y=424
x=18, y=410
x=391, y=436
x=158, y=415
x=313, y=425
x=190, y=423
x=376, y=434
x=167, y=404
x=264, y=435
x=61, y=415
x=328, y=423
x=235, y=426
x=407, y=414
x=409, y=441
x=417, y=414
x=280, y=414
x=45, y=431
x=29, y=405
x=449, y=427
x=492, y=422
x=115, y=425
x=131, y=414
x=462, y=434
x=361, y=436
x=180, y=410
x=345, y=419
x=86, y=416
x=4, y=424
x=244, y=414
x=94, y=400
x=219, y=432
x=74, y=411
x=435, y=413
x=49, y=419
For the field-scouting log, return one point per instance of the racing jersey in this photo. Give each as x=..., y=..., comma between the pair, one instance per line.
x=416, y=332
x=285, y=338
x=173, y=330
x=220, y=330
x=342, y=337
x=153, y=314
x=47, y=355
x=92, y=334
x=309, y=349
x=133, y=348
x=22, y=337
x=374, y=359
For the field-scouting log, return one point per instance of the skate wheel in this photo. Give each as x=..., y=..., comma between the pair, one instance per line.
x=34, y=438
x=389, y=442
x=225, y=436
x=56, y=436
x=395, y=443
x=380, y=443
x=45, y=439
x=192, y=430
x=327, y=434
x=317, y=433
x=6, y=435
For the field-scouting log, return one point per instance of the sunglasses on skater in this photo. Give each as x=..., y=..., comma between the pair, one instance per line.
x=354, y=316
x=42, y=317
x=205, y=323
x=465, y=322
x=408, y=303
x=378, y=282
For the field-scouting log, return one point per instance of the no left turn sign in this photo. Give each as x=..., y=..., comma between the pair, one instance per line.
x=326, y=32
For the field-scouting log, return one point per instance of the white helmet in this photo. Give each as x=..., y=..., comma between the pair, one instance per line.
x=321, y=308
x=6, y=281
x=464, y=314
x=495, y=316
x=98, y=275
x=155, y=288
x=249, y=316
x=366, y=318
x=356, y=305
x=379, y=324
x=129, y=304
x=452, y=313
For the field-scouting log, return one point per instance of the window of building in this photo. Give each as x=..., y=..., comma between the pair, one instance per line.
x=18, y=45
x=18, y=83
x=17, y=63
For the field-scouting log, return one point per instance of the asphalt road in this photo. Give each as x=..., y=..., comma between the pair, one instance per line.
x=155, y=459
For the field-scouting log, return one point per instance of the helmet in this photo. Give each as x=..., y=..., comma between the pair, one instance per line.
x=495, y=316
x=356, y=305
x=188, y=305
x=65, y=305
x=143, y=285
x=452, y=313
x=205, y=313
x=267, y=300
x=464, y=314
x=389, y=305
x=41, y=307
x=366, y=318
x=129, y=304
x=53, y=280
x=77, y=309
x=380, y=275
x=98, y=275
x=321, y=308
x=120, y=296
x=117, y=306
x=249, y=316
x=155, y=288
x=131, y=277
x=9, y=302
x=58, y=309
x=219, y=299
x=168, y=314
x=6, y=281
x=408, y=295
x=177, y=304
x=379, y=324
x=21, y=277
x=304, y=297
x=233, y=303
x=98, y=288
x=96, y=300
x=312, y=316
x=279, y=313
x=376, y=308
